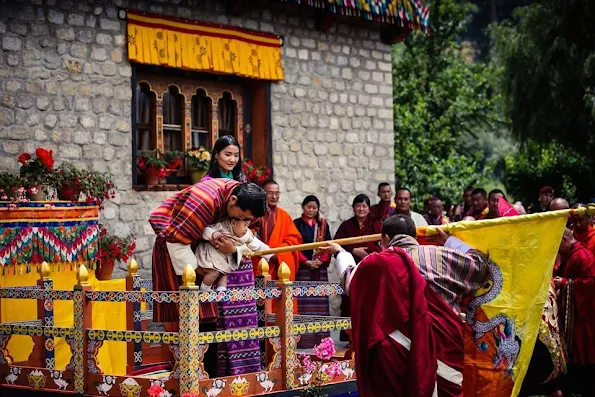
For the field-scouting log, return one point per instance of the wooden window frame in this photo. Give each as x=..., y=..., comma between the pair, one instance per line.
x=253, y=105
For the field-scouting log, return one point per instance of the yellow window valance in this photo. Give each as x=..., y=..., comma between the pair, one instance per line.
x=165, y=41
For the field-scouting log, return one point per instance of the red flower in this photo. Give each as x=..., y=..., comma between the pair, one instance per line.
x=155, y=390
x=23, y=158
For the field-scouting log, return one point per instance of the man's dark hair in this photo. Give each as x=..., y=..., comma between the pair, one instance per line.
x=479, y=191
x=398, y=224
x=404, y=189
x=469, y=188
x=494, y=191
x=251, y=197
x=269, y=182
x=361, y=198
x=383, y=184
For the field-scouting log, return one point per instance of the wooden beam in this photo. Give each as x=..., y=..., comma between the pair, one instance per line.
x=394, y=34
x=323, y=20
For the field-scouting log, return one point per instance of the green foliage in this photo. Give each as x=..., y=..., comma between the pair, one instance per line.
x=440, y=101
x=547, y=164
x=547, y=60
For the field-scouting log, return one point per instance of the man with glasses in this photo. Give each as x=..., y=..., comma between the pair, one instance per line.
x=278, y=230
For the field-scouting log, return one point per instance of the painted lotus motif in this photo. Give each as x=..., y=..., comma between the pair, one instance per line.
x=130, y=388
x=239, y=386
x=36, y=379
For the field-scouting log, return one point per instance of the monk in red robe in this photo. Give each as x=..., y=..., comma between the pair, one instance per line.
x=584, y=232
x=408, y=341
x=576, y=280
x=479, y=208
x=381, y=210
x=278, y=230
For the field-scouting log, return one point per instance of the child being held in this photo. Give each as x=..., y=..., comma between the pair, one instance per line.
x=216, y=265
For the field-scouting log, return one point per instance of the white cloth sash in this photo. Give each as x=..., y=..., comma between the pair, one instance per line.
x=444, y=371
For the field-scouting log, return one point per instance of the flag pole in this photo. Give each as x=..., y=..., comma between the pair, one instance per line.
x=426, y=231
x=311, y=246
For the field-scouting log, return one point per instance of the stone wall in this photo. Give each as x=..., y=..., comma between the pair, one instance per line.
x=65, y=85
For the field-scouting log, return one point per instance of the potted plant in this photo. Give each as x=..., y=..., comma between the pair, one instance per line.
x=67, y=182
x=324, y=369
x=175, y=162
x=38, y=172
x=199, y=161
x=97, y=187
x=111, y=249
x=255, y=174
x=13, y=187
x=153, y=166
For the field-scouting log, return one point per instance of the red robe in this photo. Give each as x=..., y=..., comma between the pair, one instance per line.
x=587, y=238
x=478, y=215
x=578, y=265
x=351, y=228
x=381, y=210
x=401, y=301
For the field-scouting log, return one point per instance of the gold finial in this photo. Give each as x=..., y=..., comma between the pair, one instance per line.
x=188, y=277
x=263, y=267
x=44, y=272
x=82, y=275
x=132, y=267
x=591, y=209
x=284, y=272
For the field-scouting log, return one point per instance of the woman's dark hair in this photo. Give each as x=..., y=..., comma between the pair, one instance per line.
x=251, y=197
x=361, y=198
x=309, y=199
x=222, y=143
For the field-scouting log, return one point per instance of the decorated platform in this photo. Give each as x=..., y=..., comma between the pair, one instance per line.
x=139, y=360
x=63, y=234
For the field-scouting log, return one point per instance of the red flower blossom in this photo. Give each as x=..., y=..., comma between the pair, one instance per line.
x=46, y=157
x=23, y=158
x=155, y=391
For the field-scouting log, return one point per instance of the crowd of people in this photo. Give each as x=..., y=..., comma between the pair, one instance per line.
x=563, y=360
x=220, y=216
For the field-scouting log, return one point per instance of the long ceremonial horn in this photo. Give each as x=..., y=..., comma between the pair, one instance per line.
x=311, y=246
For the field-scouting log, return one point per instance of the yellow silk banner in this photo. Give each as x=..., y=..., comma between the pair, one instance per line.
x=106, y=315
x=503, y=319
x=165, y=41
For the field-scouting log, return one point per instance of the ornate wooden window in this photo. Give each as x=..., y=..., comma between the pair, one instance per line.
x=202, y=106
x=145, y=118
x=175, y=114
x=227, y=115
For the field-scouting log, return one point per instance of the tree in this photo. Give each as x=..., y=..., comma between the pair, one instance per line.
x=547, y=56
x=440, y=100
x=551, y=164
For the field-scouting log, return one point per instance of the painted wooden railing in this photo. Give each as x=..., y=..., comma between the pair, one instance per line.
x=281, y=368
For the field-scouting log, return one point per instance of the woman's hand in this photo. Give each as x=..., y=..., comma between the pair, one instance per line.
x=360, y=252
x=316, y=264
x=308, y=264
